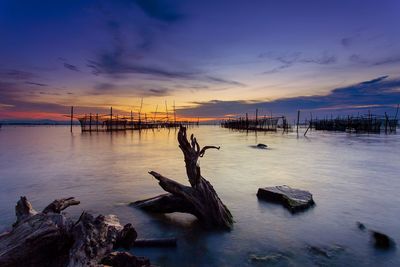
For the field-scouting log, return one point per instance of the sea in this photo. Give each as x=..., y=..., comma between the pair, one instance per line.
x=353, y=178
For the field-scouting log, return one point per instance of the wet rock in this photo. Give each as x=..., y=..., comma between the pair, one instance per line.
x=262, y=146
x=361, y=226
x=326, y=252
x=293, y=199
x=272, y=258
x=382, y=240
x=323, y=256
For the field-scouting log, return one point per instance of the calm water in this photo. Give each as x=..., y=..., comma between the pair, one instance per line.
x=353, y=178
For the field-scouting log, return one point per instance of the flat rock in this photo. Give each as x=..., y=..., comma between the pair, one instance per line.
x=293, y=199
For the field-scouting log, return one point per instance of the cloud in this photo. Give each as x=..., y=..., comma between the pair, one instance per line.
x=223, y=81
x=159, y=10
x=128, y=58
x=388, y=60
x=71, y=67
x=347, y=41
x=16, y=75
x=38, y=84
x=159, y=92
x=104, y=86
x=113, y=65
x=358, y=59
x=355, y=58
x=290, y=59
x=378, y=93
x=16, y=101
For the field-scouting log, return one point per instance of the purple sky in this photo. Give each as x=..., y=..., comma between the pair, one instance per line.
x=212, y=58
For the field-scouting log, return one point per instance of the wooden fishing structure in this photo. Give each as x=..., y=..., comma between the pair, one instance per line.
x=369, y=123
x=265, y=123
x=116, y=122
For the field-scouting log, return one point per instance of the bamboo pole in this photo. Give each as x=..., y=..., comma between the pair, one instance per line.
x=90, y=122
x=111, y=124
x=72, y=116
x=174, y=114
x=256, y=117
x=298, y=120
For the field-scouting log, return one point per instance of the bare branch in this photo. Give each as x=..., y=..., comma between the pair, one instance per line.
x=203, y=151
x=170, y=185
x=59, y=205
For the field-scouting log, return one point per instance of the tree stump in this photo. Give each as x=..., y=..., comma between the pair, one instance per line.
x=199, y=199
x=49, y=238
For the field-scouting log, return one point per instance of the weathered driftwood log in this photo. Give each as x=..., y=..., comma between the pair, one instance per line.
x=124, y=259
x=199, y=199
x=49, y=238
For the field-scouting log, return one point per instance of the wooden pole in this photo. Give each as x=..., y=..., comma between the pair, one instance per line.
x=97, y=122
x=256, y=117
x=298, y=120
x=131, y=120
x=111, y=117
x=386, y=122
x=155, y=114
x=72, y=116
x=174, y=114
x=90, y=122
x=140, y=114
x=166, y=110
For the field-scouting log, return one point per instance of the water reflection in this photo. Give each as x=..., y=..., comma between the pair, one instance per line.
x=353, y=178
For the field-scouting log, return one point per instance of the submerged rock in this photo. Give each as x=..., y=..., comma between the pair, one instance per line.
x=382, y=241
x=326, y=252
x=263, y=146
x=293, y=199
x=361, y=226
x=272, y=258
x=325, y=255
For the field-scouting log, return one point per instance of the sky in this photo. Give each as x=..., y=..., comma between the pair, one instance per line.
x=213, y=59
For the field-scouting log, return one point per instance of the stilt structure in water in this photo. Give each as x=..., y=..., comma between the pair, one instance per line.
x=116, y=122
x=368, y=123
x=266, y=123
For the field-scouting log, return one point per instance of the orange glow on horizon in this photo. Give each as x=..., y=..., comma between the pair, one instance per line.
x=26, y=115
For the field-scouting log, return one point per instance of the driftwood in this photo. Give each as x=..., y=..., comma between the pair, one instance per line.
x=49, y=238
x=124, y=259
x=199, y=199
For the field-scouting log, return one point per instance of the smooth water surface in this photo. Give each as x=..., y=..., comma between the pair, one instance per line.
x=353, y=178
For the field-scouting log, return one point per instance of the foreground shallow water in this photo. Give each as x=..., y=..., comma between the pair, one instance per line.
x=353, y=178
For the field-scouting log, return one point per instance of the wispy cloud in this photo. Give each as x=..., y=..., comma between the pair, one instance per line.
x=113, y=65
x=358, y=59
x=70, y=67
x=288, y=60
x=37, y=84
x=380, y=92
x=16, y=75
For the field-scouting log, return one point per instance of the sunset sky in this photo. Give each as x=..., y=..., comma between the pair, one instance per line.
x=213, y=58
